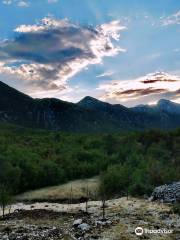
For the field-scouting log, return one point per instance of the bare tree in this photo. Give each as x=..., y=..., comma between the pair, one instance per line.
x=70, y=199
x=103, y=197
x=5, y=198
x=128, y=184
x=87, y=198
x=104, y=208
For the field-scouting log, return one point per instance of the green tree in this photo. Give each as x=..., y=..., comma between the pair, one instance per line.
x=116, y=180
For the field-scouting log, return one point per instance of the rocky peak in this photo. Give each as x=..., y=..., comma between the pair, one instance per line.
x=168, y=106
x=92, y=103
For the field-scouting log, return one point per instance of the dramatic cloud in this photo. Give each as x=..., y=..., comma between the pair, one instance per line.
x=144, y=89
x=49, y=53
x=171, y=20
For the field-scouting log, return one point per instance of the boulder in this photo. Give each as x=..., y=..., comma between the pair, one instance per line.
x=77, y=222
x=84, y=227
x=168, y=193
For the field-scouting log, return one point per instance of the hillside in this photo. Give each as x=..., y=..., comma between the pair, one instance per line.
x=32, y=159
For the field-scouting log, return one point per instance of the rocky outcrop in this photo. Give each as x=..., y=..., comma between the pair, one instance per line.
x=167, y=193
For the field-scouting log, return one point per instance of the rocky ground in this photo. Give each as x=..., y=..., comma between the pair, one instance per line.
x=44, y=221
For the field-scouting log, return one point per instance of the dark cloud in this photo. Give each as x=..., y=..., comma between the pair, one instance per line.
x=50, y=46
x=158, y=80
x=140, y=92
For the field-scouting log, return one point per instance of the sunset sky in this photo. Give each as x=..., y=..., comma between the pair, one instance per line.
x=118, y=51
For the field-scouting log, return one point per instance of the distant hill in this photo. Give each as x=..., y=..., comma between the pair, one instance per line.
x=89, y=115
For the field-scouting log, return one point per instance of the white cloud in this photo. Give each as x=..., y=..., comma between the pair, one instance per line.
x=112, y=29
x=44, y=25
x=105, y=74
x=19, y=3
x=23, y=4
x=173, y=19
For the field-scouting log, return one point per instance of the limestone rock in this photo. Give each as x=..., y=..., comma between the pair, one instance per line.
x=77, y=222
x=167, y=193
x=84, y=227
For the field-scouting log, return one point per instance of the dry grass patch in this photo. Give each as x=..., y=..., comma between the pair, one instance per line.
x=74, y=190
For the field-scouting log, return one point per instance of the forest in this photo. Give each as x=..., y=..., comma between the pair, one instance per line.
x=132, y=162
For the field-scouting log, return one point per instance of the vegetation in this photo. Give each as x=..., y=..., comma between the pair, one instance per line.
x=128, y=163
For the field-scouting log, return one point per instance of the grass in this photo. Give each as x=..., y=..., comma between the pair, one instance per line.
x=73, y=191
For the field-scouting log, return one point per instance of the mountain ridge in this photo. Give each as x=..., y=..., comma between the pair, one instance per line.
x=88, y=115
x=162, y=105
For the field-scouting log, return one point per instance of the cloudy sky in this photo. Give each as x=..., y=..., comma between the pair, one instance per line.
x=124, y=52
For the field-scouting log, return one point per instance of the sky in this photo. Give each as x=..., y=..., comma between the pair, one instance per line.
x=125, y=52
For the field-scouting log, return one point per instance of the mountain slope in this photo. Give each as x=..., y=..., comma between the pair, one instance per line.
x=54, y=114
x=12, y=99
x=168, y=106
x=89, y=115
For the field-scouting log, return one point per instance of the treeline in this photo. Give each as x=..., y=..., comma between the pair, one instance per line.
x=133, y=162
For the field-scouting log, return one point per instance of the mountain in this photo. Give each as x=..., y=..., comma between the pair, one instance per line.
x=120, y=115
x=163, y=105
x=168, y=106
x=88, y=115
x=53, y=114
x=95, y=104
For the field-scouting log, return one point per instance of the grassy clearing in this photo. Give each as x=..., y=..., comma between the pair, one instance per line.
x=74, y=190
